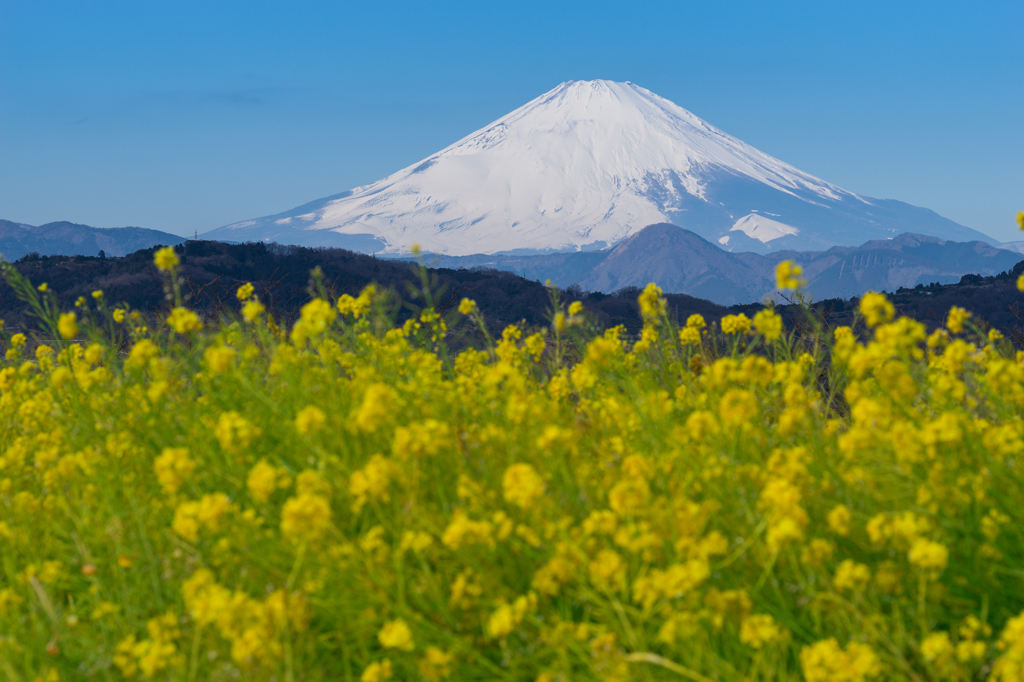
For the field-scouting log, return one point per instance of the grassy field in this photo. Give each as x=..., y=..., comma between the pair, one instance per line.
x=346, y=500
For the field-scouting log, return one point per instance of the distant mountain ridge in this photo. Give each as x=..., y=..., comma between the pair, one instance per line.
x=584, y=167
x=71, y=239
x=678, y=260
x=681, y=261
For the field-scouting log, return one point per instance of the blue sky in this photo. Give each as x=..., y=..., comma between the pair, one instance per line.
x=184, y=116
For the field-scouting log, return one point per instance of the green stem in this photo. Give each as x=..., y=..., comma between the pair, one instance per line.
x=655, y=659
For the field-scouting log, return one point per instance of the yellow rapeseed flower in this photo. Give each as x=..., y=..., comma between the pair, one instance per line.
x=309, y=420
x=141, y=353
x=372, y=482
x=839, y=520
x=396, y=635
x=234, y=432
x=929, y=556
x=787, y=275
x=377, y=671
x=506, y=617
x=314, y=319
x=357, y=307
x=467, y=306
x=956, y=318
x=501, y=623
x=462, y=530
x=1009, y=666
x=851, y=576
x=219, y=358
x=245, y=291
x=192, y=516
x=876, y=309
x=67, y=325
x=535, y=345
x=265, y=478
x=166, y=259
x=825, y=661
x=173, y=467
x=417, y=541
x=735, y=324
x=522, y=486
x=629, y=496
x=737, y=407
x=769, y=324
x=689, y=336
x=305, y=517
x=184, y=321
x=378, y=405
x=760, y=629
x=436, y=664
x=94, y=353
x=652, y=303
x=936, y=647
x=252, y=309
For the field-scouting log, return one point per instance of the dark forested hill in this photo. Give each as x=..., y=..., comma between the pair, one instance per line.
x=213, y=271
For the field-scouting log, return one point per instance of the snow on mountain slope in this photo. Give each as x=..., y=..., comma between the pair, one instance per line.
x=762, y=229
x=1017, y=247
x=583, y=167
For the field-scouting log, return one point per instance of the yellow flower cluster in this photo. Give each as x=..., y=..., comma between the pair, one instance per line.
x=166, y=259
x=652, y=303
x=768, y=324
x=956, y=318
x=787, y=276
x=67, y=325
x=826, y=661
x=184, y=321
x=357, y=307
x=690, y=334
x=315, y=319
x=245, y=291
x=876, y=309
x=736, y=324
x=348, y=500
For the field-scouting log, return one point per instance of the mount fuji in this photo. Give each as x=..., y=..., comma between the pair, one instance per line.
x=583, y=167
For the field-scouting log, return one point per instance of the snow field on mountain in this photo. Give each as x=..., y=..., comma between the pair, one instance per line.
x=583, y=158
x=583, y=167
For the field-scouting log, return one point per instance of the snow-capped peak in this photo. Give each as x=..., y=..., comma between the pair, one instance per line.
x=582, y=166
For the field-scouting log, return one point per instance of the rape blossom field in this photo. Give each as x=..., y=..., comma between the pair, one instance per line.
x=353, y=500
